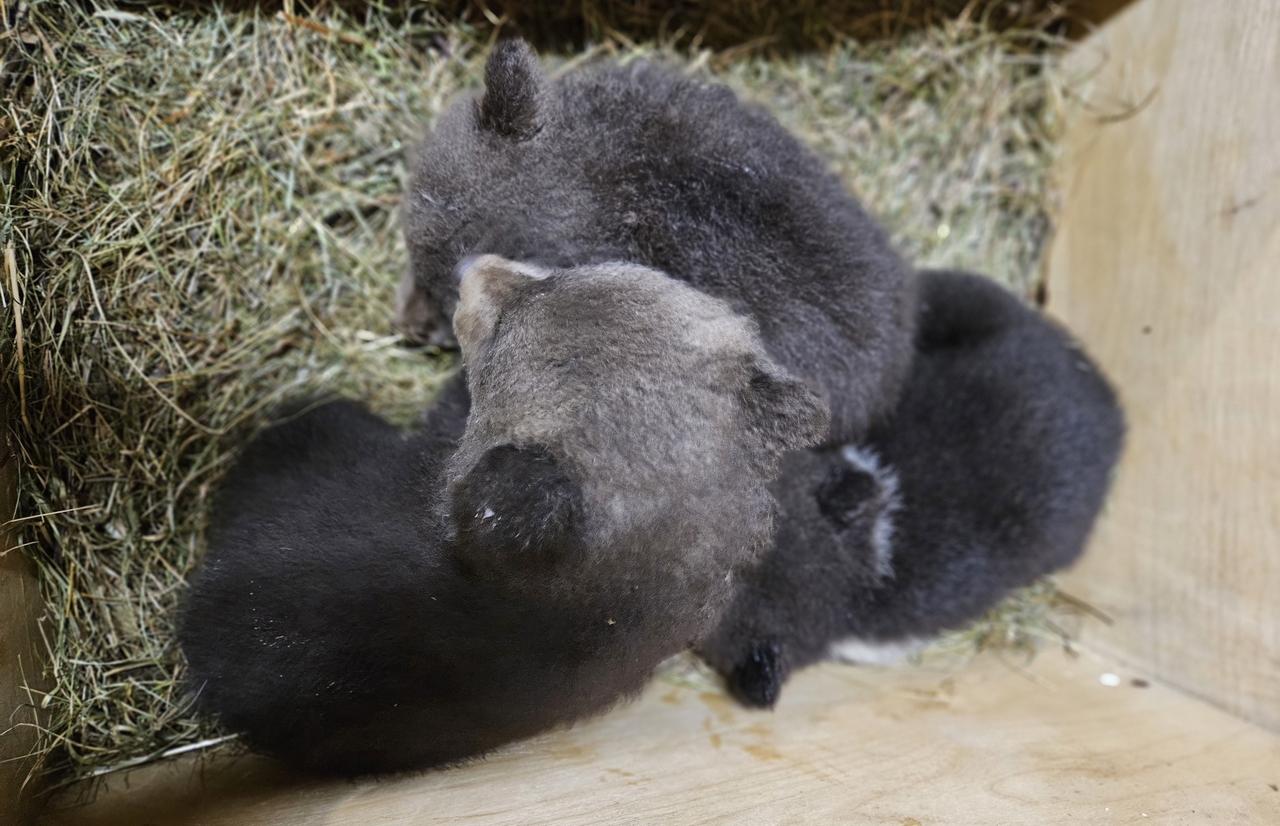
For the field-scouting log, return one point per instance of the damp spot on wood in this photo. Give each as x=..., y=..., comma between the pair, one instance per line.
x=762, y=751
x=717, y=704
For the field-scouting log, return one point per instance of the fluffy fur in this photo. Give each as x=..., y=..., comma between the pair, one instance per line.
x=373, y=601
x=640, y=163
x=988, y=475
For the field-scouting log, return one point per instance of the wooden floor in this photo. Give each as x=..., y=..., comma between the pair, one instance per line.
x=989, y=743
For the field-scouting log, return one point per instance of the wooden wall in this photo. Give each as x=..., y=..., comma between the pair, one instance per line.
x=20, y=606
x=1167, y=263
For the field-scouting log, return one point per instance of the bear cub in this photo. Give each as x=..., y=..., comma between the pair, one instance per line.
x=641, y=163
x=988, y=475
x=375, y=601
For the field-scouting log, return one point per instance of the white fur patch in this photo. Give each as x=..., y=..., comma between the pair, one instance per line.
x=865, y=460
x=872, y=652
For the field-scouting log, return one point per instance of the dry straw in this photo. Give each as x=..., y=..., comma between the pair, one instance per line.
x=199, y=220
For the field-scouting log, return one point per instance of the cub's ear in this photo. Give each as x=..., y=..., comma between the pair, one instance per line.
x=782, y=408
x=515, y=507
x=512, y=86
x=846, y=495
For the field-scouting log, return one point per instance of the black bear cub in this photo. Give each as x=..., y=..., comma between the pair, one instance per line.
x=988, y=475
x=372, y=601
x=641, y=163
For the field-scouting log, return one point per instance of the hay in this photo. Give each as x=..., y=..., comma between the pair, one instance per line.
x=729, y=24
x=199, y=220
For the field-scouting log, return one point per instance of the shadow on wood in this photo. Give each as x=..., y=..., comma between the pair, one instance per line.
x=20, y=607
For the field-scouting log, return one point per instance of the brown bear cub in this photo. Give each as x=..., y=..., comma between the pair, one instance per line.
x=988, y=475
x=372, y=601
x=641, y=163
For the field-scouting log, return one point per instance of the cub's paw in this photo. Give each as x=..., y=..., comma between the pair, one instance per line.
x=757, y=680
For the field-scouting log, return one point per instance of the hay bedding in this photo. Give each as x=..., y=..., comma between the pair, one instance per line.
x=199, y=220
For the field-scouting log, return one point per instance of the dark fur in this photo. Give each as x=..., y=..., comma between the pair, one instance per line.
x=1002, y=444
x=640, y=163
x=509, y=106
x=374, y=602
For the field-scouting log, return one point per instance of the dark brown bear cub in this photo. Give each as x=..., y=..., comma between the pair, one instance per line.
x=373, y=601
x=641, y=163
x=988, y=475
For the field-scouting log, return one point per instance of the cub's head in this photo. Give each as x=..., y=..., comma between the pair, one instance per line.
x=620, y=419
x=461, y=198
x=503, y=171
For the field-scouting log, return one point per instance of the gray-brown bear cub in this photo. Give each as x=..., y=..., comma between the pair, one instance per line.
x=374, y=602
x=640, y=163
x=988, y=475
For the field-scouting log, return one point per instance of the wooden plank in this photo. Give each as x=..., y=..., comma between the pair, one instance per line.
x=1167, y=263
x=985, y=744
x=20, y=606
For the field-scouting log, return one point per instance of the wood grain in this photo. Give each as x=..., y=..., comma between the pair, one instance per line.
x=987, y=744
x=1167, y=263
x=20, y=606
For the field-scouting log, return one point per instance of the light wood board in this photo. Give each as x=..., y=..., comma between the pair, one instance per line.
x=1167, y=263
x=990, y=743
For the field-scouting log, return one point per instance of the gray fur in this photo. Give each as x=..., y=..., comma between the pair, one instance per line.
x=1002, y=447
x=643, y=164
x=373, y=601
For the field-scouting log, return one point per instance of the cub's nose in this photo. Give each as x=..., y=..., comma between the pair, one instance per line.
x=418, y=319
